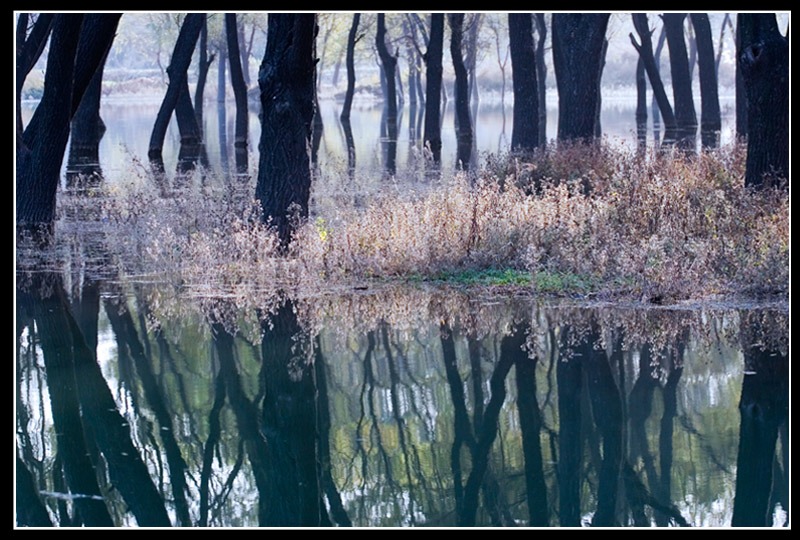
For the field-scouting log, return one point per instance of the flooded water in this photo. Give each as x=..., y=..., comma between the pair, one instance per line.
x=130, y=121
x=140, y=402
x=391, y=408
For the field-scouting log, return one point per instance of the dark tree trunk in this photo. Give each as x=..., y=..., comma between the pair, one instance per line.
x=77, y=52
x=685, y=115
x=662, y=38
x=577, y=56
x=290, y=423
x=641, y=104
x=178, y=67
x=461, y=91
x=83, y=161
x=764, y=411
x=185, y=117
x=710, y=119
x=541, y=76
x=525, y=129
x=31, y=511
x=764, y=64
x=570, y=444
x=389, y=64
x=286, y=80
x=244, y=53
x=239, y=92
x=202, y=75
x=645, y=50
x=351, y=68
x=221, y=78
x=598, y=128
x=432, y=134
x=29, y=49
x=39, y=162
x=530, y=425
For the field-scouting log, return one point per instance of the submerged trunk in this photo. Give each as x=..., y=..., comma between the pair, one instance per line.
x=178, y=67
x=525, y=129
x=685, y=115
x=462, y=117
x=78, y=47
x=645, y=50
x=710, y=120
x=577, y=59
x=351, y=68
x=286, y=80
x=432, y=134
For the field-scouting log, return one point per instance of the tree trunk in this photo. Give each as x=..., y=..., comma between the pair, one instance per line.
x=641, y=104
x=286, y=80
x=29, y=49
x=577, y=56
x=351, y=68
x=645, y=50
x=685, y=115
x=461, y=91
x=710, y=120
x=202, y=75
x=244, y=53
x=541, y=77
x=432, y=134
x=238, y=84
x=83, y=162
x=75, y=56
x=525, y=128
x=764, y=64
x=178, y=67
x=389, y=64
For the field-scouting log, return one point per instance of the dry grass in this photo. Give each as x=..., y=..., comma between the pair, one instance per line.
x=661, y=227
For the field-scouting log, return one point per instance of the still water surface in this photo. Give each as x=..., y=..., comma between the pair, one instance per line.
x=397, y=407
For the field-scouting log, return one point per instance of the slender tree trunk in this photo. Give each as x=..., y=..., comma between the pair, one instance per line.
x=432, y=134
x=286, y=81
x=202, y=75
x=461, y=91
x=389, y=64
x=351, y=68
x=641, y=104
x=239, y=92
x=525, y=128
x=645, y=50
x=577, y=57
x=685, y=115
x=244, y=52
x=655, y=107
x=178, y=67
x=710, y=119
x=541, y=76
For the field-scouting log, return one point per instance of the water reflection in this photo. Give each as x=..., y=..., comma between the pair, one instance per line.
x=399, y=408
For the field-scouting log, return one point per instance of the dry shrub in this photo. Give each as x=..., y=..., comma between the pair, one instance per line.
x=663, y=226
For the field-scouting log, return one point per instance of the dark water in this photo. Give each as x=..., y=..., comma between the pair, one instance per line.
x=409, y=407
